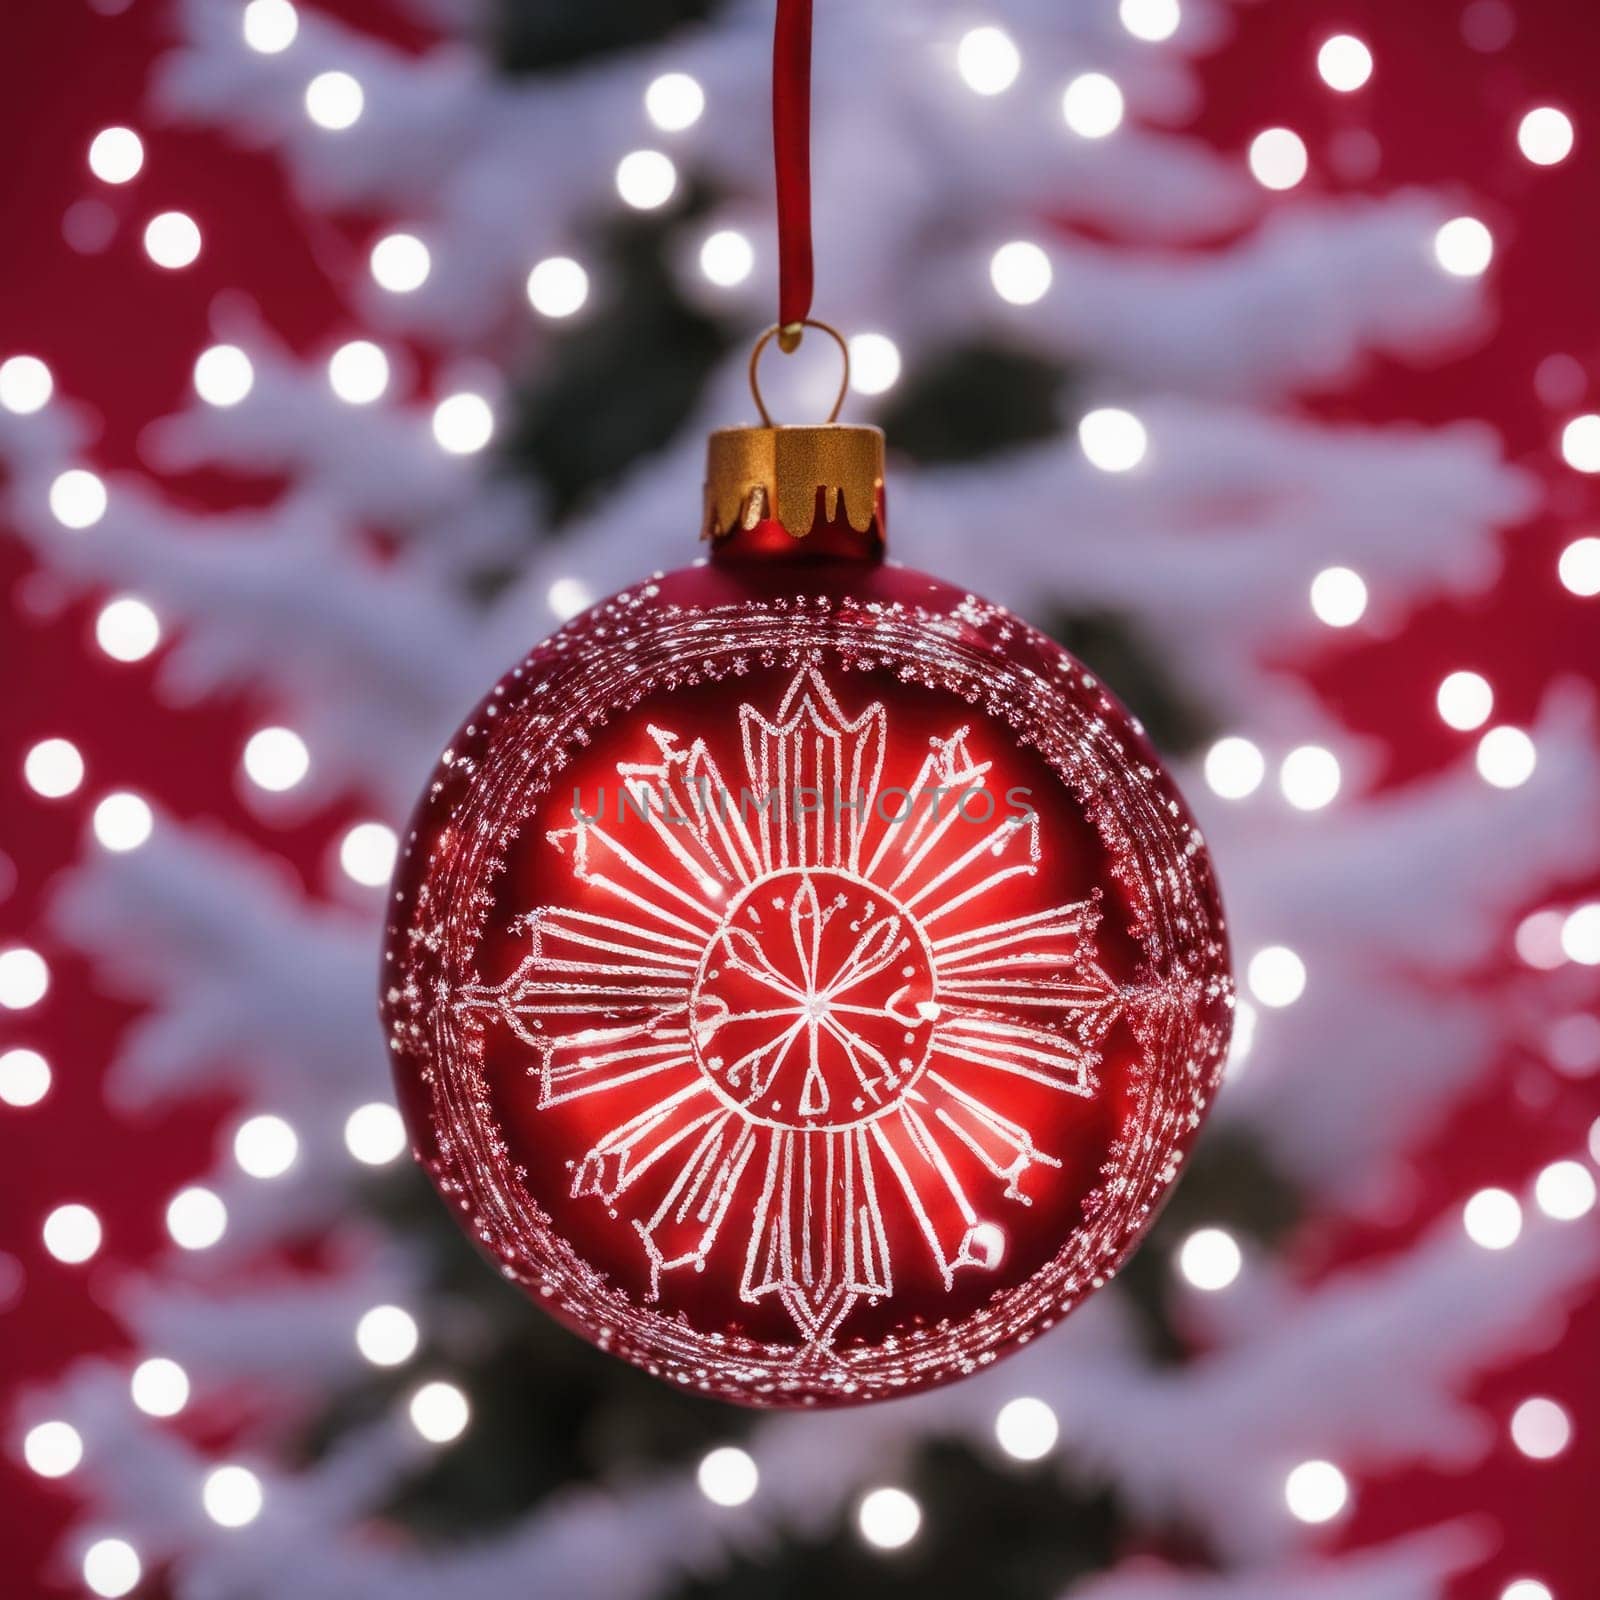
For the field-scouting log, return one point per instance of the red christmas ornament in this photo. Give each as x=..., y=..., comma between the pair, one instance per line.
x=803, y=977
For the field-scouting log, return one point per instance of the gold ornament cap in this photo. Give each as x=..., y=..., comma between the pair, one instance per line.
x=775, y=474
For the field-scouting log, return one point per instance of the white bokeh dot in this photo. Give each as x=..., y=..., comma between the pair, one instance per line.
x=335, y=101
x=1526, y=1589
x=223, y=375
x=1210, y=1259
x=172, y=240
x=1565, y=1191
x=646, y=179
x=1309, y=777
x=196, y=1218
x=1344, y=62
x=874, y=363
x=159, y=1386
x=358, y=372
x=400, y=263
x=276, y=759
x=1150, y=20
x=123, y=821
x=1579, y=567
x=1339, y=596
x=727, y=1476
x=568, y=597
x=24, y=977
x=1580, y=934
x=988, y=60
x=463, y=423
x=1026, y=1428
x=1020, y=272
x=127, y=629
x=52, y=1449
x=439, y=1412
x=232, y=1496
x=24, y=1077
x=888, y=1518
x=387, y=1336
x=1276, y=975
x=1112, y=439
x=53, y=768
x=72, y=1233
x=367, y=854
x=674, y=101
x=1506, y=757
x=1580, y=443
x=25, y=385
x=1538, y=940
x=77, y=499
x=1316, y=1491
x=111, y=1568
x=727, y=258
x=1465, y=700
x=1234, y=768
x=1541, y=1428
x=1493, y=1219
x=116, y=155
x=1545, y=136
x=374, y=1134
x=1092, y=106
x=1464, y=247
x=558, y=287
x=1278, y=158
x=270, y=25
x=265, y=1145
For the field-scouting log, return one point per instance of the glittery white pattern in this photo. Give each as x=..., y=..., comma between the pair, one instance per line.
x=796, y=998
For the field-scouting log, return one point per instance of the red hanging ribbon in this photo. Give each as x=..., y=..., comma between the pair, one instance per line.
x=791, y=149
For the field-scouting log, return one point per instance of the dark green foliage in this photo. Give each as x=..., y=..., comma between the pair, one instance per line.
x=973, y=401
x=546, y=35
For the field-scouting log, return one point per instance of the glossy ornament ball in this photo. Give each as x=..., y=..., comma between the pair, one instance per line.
x=804, y=979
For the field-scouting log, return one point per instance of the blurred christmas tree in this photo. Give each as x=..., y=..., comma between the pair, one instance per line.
x=1012, y=205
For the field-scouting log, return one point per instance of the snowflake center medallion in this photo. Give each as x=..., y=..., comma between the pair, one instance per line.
x=814, y=1005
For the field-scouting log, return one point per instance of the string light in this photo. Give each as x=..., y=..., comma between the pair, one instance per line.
x=72, y=1234
x=1316, y=1491
x=1540, y=1428
x=726, y=258
x=25, y=385
x=127, y=629
x=367, y=854
x=123, y=821
x=1309, y=777
x=1580, y=443
x=400, y=263
x=116, y=155
x=270, y=26
x=557, y=287
x=1579, y=567
x=334, y=100
x=1465, y=700
x=358, y=372
x=463, y=423
x=53, y=768
x=1150, y=20
x=1278, y=158
x=1493, y=1219
x=232, y=1496
x=1463, y=247
x=727, y=1476
x=160, y=1388
x=1112, y=440
x=1021, y=273
x=1506, y=757
x=1339, y=596
x=674, y=101
x=1234, y=768
x=1565, y=1191
x=265, y=1146
x=1026, y=1429
x=374, y=1134
x=223, y=375
x=24, y=1078
x=172, y=240
x=1210, y=1259
x=439, y=1412
x=1545, y=136
x=988, y=60
x=276, y=759
x=387, y=1336
x=1092, y=105
x=52, y=1449
x=78, y=499
x=196, y=1218
x=1344, y=63
x=111, y=1568
x=888, y=1518
x=24, y=978
x=1276, y=975
x=646, y=179
x=874, y=363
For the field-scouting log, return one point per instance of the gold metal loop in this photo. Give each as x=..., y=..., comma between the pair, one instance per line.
x=788, y=337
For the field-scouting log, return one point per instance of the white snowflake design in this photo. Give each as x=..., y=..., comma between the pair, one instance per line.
x=825, y=999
